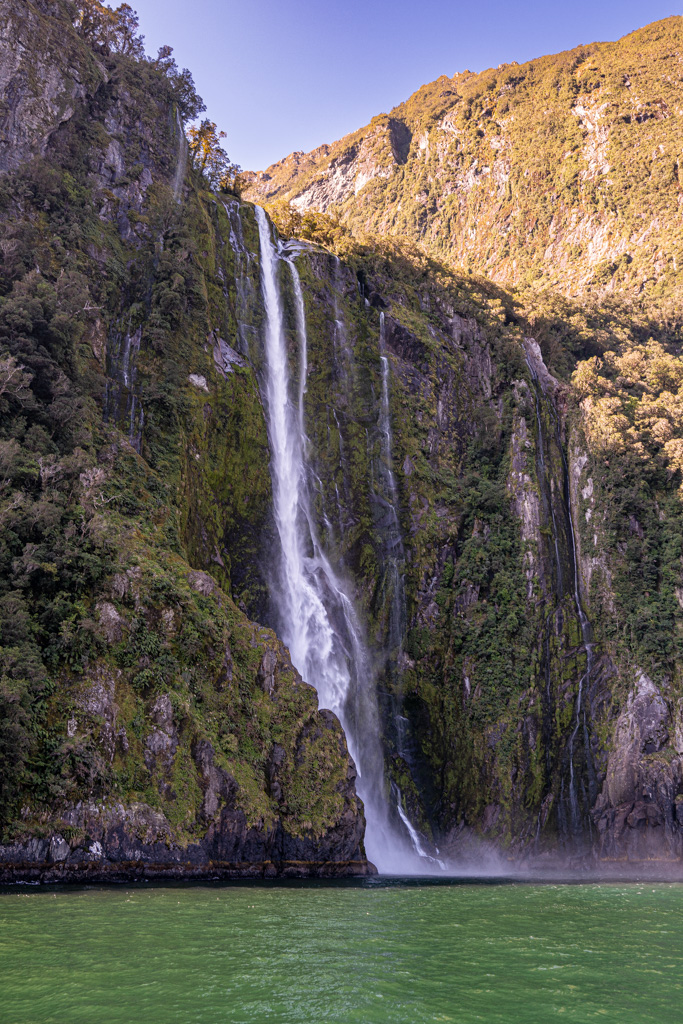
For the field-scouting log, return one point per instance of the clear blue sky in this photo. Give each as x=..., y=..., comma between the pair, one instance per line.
x=279, y=76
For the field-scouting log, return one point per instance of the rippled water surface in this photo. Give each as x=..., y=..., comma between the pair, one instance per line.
x=368, y=952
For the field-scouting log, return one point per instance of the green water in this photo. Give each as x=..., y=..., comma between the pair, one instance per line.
x=350, y=953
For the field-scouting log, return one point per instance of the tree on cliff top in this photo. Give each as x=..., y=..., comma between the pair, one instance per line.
x=115, y=31
x=209, y=157
x=109, y=30
x=190, y=104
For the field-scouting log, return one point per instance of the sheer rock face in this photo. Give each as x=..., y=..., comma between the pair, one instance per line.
x=639, y=812
x=116, y=841
x=45, y=72
x=185, y=742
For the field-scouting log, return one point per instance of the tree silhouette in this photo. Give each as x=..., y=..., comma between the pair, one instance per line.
x=209, y=157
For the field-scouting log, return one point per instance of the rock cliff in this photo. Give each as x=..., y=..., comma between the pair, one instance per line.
x=562, y=171
x=149, y=728
x=495, y=474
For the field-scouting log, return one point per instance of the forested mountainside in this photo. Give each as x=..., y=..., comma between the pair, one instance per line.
x=144, y=717
x=562, y=171
x=488, y=483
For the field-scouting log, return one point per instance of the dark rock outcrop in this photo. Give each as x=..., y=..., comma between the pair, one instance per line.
x=637, y=814
x=116, y=842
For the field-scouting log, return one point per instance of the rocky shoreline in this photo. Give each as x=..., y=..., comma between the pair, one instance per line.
x=275, y=856
x=117, y=842
x=46, y=872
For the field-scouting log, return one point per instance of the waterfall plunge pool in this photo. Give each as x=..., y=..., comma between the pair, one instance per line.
x=391, y=951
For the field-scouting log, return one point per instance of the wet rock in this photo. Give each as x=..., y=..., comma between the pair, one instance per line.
x=642, y=728
x=490, y=817
x=678, y=809
x=59, y=849
x=645, y=813
x=267, y=672
x=677, y=731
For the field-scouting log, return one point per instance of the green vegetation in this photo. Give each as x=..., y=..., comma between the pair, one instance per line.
x=135, y=495
x=114, y=299
x=490, y=667
x=562, y=172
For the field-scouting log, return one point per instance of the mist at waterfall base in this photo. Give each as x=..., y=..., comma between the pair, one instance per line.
x=316, y=617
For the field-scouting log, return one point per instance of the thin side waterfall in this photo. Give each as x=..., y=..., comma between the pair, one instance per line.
x=181, y=159
x=541, y=459
x=315, y=613
x=390, y=525
x=340, y=335
x=386, y=494
x=584, y=681
x=243, y=286
x=575, y=822
x=121, y=400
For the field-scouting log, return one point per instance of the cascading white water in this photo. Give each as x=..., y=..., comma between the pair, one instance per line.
x=316, y=616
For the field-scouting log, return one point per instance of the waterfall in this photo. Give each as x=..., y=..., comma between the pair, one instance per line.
x=386, y=495
x=389, y=525
x=243, y=285
x=587, y=638
x=121, y=397
x=340, y=334
x=575, y=823
x=181, y=159
x=314, y=610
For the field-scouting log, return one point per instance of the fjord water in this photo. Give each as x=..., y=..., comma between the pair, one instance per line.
x=315, y=613
x=369, y=953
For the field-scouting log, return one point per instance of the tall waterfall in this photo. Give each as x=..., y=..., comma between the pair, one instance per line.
x=576, y=823
x=315, y=613
x=385, y=494
x=574, y=826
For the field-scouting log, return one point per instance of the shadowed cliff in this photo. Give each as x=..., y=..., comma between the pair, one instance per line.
x=495, y=475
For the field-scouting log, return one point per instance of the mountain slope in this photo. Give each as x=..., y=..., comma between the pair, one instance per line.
x=563, y=171
x=148, y=727
x=495, y=476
